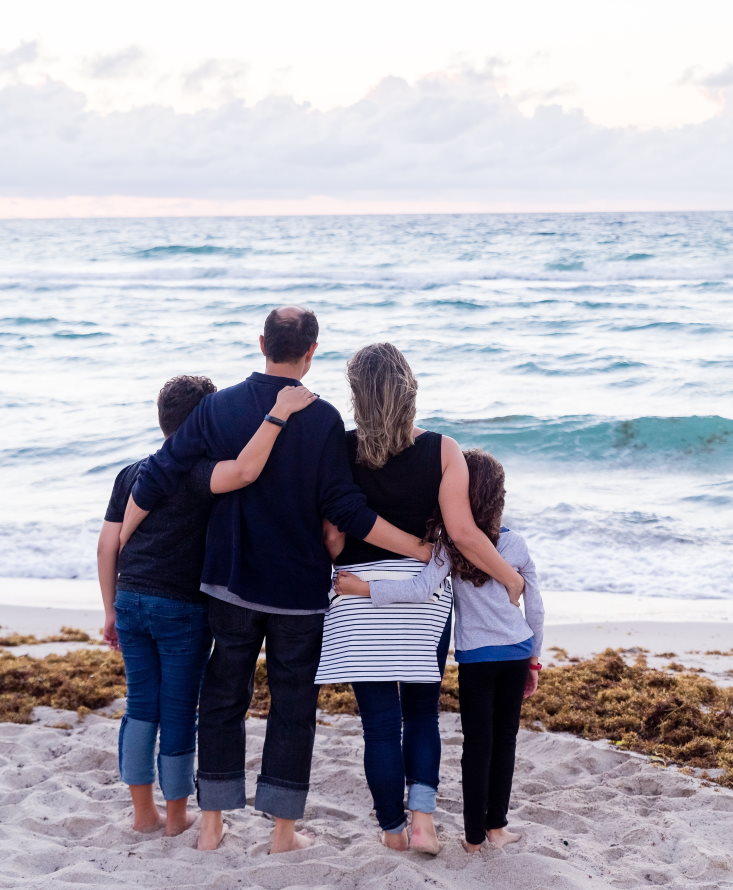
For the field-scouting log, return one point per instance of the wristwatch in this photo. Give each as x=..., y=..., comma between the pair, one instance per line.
x=276, y=421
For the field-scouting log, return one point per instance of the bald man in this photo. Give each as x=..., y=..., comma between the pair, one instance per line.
x=267, y=574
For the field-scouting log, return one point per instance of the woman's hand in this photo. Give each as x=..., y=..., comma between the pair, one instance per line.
x=530, y=684
x=291, y=399
x=515, y=589
x=347, y=584
x=109, y=634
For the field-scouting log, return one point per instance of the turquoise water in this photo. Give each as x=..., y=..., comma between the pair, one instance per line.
x=590, y=352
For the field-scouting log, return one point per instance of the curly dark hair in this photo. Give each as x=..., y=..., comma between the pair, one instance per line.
x=486, y=494
x=177, y=399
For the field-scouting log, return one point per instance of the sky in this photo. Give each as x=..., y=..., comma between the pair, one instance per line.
x=230, y=106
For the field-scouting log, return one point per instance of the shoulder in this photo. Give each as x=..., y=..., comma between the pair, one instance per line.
x=127, y=475
x=511, y=542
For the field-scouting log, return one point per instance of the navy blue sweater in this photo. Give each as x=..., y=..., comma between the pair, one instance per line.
x=265, y=541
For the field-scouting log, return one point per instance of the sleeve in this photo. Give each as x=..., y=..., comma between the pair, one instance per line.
x=118, y=498
x=418, y=589
x=341, y=500
x=200, y=478
x=534, y=610
x=162, y=471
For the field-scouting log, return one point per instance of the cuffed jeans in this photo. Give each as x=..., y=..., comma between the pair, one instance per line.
x=490, y=695
x=293, y=649
x=402, y=743
x=165, y=644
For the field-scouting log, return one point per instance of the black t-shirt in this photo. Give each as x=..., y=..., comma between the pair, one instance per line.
x=165, y=555
x=404, y=492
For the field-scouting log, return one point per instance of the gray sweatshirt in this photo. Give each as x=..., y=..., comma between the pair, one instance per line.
x=484, y=615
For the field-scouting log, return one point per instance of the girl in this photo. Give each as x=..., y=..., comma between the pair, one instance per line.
x=497, y=649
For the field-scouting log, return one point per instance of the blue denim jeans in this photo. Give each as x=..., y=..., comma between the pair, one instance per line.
x=165, y=645
x=292, y=651
x=402, y=743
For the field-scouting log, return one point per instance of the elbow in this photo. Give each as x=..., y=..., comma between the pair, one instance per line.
x=462, y=536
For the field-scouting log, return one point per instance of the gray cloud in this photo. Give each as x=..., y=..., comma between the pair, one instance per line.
x=447, y=137
x=116, y=64
x=722, y=78
x=22, y=54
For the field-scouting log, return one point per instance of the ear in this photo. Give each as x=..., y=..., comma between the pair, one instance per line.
x=311, y=349
x=262, y=345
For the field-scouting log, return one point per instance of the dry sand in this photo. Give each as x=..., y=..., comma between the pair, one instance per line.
x=591, y=816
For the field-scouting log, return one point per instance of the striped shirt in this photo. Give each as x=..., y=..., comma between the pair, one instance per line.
x=394, y=642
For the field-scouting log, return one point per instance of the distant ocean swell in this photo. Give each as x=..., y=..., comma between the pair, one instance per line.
x=691, y=442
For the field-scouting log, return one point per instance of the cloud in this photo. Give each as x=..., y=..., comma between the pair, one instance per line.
x=116, y=64
x=722, y=78
x=23, y=54
x=448, y=136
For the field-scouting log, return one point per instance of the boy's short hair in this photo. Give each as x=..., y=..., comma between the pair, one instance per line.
x=177, y=399
x=289, y=337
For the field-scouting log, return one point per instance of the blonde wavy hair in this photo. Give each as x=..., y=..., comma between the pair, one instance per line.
x=383, y=390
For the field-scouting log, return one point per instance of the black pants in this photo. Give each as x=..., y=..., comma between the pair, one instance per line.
x=490, y=695
x=293, y=648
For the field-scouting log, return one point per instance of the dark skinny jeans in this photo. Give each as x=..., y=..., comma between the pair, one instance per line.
x=401, y=738
x=490, y=695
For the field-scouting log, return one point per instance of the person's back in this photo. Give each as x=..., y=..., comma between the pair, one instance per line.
x=404, y=491
x=277, y=521
x=165, y=557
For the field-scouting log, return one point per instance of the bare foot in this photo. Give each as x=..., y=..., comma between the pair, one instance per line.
x=471, y=848
x=147, y=821
x=398, y=842
x=174, y=827
x=500, y=837
x=425, y=841
x=212, y=831
x=290, y=841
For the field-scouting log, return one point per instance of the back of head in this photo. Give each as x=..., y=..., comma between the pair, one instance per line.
x=177, y=399
x=383, y=390
x=486, y=495
x=289, y=333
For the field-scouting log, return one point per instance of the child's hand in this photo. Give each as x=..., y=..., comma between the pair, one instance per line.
x=109, y=634
x=291, y=399
x=347, y=584
x=530, y=684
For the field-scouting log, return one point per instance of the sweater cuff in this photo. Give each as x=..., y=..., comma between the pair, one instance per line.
x=362, y=523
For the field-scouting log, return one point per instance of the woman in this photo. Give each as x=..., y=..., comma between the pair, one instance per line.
x=394, y=657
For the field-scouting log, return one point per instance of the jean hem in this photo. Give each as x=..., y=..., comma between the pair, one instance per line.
x=279, y=801
x=221, y=794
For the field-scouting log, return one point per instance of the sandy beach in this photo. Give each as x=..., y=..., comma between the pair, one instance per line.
x=590, y=815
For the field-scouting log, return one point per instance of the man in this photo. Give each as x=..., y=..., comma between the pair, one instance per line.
x=267, y=574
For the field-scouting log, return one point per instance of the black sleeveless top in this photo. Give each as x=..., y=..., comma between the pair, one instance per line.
x=404, y=492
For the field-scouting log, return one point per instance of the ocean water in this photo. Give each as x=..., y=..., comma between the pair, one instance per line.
x=591, y=353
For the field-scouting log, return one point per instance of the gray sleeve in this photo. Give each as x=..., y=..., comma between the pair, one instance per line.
x=534, y=610
x=417, y=589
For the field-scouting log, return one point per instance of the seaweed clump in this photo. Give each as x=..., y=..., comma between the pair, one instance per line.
x=676, y=717
x=77, y=681
x=65, y=635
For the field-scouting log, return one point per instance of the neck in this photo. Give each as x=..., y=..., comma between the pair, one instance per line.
x=284, y=369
